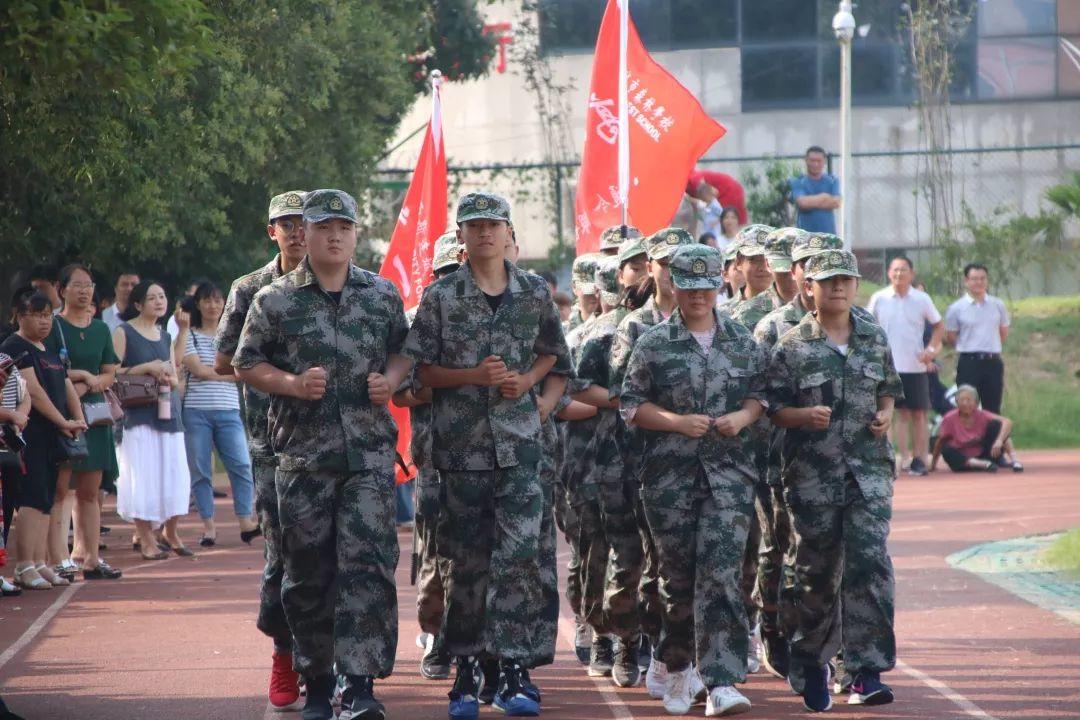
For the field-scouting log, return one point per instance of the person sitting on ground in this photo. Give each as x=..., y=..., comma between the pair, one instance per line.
x=971, y=438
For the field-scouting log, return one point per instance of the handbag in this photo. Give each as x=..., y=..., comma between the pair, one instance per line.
x=116, y=410
x=95, y=413
x=134, y=391
x=73, y=448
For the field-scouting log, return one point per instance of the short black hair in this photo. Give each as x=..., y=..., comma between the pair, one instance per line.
x=905, y=258
x=28, y=300
x=975, y=266
x=705, y=238
x=205, y=290
x=816, y=149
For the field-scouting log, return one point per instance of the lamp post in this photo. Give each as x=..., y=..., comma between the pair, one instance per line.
x=843, y=24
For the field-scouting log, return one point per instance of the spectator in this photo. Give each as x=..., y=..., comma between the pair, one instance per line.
x=712, y=192
x=125, y=283
x=43, y=279
x=173, y=325
x=154, y=486
x=92, y=362
x=816, y=194
x=938, y=401
x=707, y=238
x=211, y=414
x=902, y=311
x=55, y=410
x=14, y=412
x=971, y=438
x=978, y=324
x=730, y=225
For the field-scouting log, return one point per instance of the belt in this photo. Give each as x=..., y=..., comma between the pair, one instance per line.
x=981, y=356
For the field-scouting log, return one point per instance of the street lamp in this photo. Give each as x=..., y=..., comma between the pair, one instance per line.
x=843, y=24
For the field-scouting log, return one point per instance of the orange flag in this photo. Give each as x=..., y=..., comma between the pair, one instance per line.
x=412, y=246
x=669, y=131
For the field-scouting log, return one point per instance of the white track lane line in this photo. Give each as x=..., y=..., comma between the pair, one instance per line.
x=969, y=708
x=619, y=709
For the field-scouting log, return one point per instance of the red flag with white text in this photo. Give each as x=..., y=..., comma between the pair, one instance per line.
x=668, y=132
x=412, y=245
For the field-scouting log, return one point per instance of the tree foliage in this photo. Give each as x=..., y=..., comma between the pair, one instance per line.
x=154, y=134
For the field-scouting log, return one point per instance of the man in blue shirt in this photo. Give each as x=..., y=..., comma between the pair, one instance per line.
x=816, y=195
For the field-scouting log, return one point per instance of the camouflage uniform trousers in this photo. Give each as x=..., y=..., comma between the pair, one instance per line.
x=434, y=568
x=545, y=597
x=700, y=544
x=271, y=619
x=752, y=553
x=489, y=531
x=650, y=609
x=340, y=550
x=775, y=576
x=568, y=522
x=844, y=590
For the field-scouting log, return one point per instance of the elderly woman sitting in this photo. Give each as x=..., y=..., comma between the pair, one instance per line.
x=971, y=438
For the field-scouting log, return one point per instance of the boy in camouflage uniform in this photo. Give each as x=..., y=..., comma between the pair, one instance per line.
x=482, y=338
x=832, y=384
x=323, y=341
x=776, y=248
x=284, y=228
x=697, y=382
x=586, y=303
x=749, y=251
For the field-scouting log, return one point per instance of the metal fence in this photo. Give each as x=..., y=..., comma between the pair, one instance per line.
x=887, y=208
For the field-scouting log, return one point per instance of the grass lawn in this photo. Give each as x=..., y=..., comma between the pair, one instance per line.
x=1064, y=554
x=1042, y=369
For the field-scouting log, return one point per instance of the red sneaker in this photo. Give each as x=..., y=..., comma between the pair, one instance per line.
x=284, y=683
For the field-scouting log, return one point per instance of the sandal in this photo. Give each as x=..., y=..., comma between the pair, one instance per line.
x=247, y=536
x=1017, y=467
x=103, y=571
x=159, y=555
x=28, y=579
x=51, y=576
x=182, y=551
x=7, y=589
x=205, y=541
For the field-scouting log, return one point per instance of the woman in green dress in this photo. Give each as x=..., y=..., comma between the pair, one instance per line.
x=93, y=362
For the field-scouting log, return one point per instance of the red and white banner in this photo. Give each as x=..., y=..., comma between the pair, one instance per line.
x=412, y=246
x=668, y=132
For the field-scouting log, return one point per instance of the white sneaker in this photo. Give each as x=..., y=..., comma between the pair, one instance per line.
x=422, y=640
x=656, y=679
x=677, y=693
x=698, y=691
x=754, y=652
x=725, y=700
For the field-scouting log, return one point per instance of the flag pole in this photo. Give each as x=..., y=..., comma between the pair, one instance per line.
x=624, y=124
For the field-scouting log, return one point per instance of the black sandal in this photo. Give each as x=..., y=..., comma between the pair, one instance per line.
x=160, y=555
x=207, y=541
x=248, y=535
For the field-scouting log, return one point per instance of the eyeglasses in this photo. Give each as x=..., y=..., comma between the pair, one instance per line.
x=81, y=286
x=287, y=225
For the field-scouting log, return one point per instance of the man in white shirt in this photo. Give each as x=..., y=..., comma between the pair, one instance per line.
x=978, y=324
x=903, y=311
x=124, y=285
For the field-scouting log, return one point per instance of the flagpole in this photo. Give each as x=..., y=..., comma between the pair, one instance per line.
x=624, y=124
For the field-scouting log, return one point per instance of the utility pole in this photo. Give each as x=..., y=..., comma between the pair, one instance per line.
x=843, y=25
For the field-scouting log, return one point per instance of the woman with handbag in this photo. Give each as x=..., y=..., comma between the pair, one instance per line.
x=87, y=345
x=51, y=437
x=153, y=488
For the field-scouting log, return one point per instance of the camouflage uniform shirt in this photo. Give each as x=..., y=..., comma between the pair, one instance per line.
x=294, y=325
x=749, y=312
x=805, y=370
x=632, y=327
x=476, y=428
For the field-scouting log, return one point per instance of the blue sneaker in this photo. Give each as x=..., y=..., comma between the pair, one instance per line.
x=529, y=687
x=463, y=702
x=867, y=689
x=815, y=694
x=511, y=697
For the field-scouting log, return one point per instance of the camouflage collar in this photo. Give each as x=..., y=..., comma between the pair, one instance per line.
x=678, y=330
x=814, y=331
x=467, y=287
x=305, y=276
x=274, y=267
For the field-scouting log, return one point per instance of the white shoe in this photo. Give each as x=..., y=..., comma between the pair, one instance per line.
x=725, y=700
x=422, y=640
x=656, y=679
x=754, y=652
x=698, y=691
x=677, y=694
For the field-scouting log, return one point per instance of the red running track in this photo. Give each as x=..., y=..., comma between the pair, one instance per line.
x=176, y=640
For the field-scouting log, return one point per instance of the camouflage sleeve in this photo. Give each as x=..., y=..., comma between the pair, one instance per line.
x=424, y=341
x=637, y=386
x=258, y=336
x=779, y=381
x=563, y=403
x=891, y=385
x=765, y=334
x=551, y=340
x=399, y=326
x=592, y=364
x=760, y=365
x=232, y=320
x=620, y=357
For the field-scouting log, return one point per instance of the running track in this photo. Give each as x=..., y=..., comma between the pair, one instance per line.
x=176, y=640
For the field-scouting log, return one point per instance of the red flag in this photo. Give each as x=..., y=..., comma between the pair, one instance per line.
x=408, y=259
x=669, y=131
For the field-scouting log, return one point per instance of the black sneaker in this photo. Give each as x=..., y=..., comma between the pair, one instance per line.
x=358, y=700
x=463, y=696
x=867, y=689
x=490, y=670
x=582, y=641
x=103, y=571
x=527, y=686
x=625, y=671
x=319, y=691
x=918, y=467
x=511, y=698
x=774, y=654
x=435, y=664
x=815, y=694
x=644, y=656
x=601, y=657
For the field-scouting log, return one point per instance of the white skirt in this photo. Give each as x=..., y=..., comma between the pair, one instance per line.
x=154, y=482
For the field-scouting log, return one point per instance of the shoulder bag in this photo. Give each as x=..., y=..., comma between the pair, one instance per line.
x=72, y=448
x=134, y=391
x=95, y=413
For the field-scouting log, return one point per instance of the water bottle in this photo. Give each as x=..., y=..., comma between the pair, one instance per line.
x=164, y=402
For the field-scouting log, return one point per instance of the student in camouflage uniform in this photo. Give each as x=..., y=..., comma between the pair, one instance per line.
x=776, y=249
x=661, y=303
x=832, y=384
x=586, y=303
x=284, y=228
x=609, y=541
x=323, y=341
x=697, y=382
x=432, y=572
x=482, y=338
x=749, y=251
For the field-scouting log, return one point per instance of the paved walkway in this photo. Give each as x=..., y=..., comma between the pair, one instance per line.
x=175, y=640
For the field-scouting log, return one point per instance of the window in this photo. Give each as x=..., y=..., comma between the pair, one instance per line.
x=874, y=72
x=1069, y=66
x=1017, y=17
x=779, y=20
x=780, y=75
x=1016, y=67
x=662, y=24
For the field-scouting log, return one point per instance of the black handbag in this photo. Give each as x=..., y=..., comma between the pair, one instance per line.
x=73, y=448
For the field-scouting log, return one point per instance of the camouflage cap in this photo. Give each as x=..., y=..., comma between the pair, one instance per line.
x=697, y=267
x=607, y=279
x=583, y=273
x=447, y=252
x=287, y=203
x=482, y=205
x=612, y=239
x=631, y=249
x=750, y=241
x=320, y=205
x=829, y=263
x=811, y=244
x=778, y=245
x=662, y=243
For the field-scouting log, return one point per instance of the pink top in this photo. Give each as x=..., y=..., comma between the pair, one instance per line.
x=968, y=440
